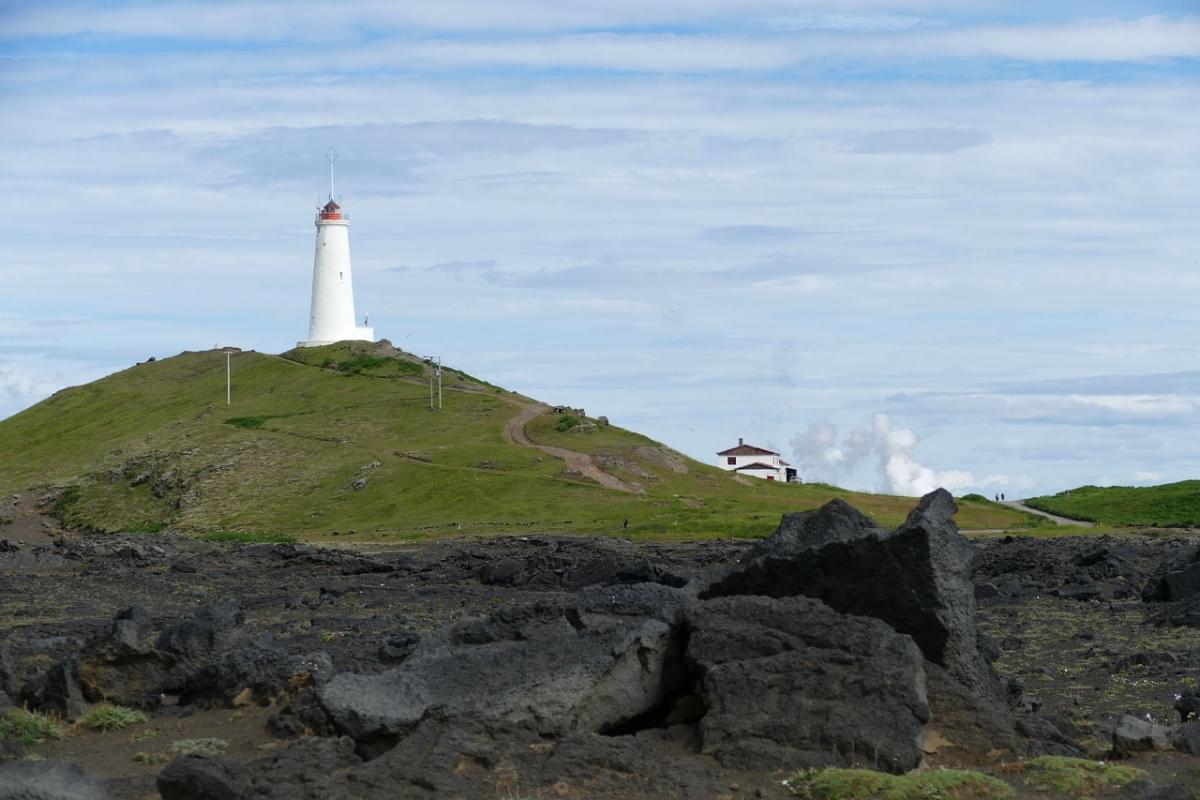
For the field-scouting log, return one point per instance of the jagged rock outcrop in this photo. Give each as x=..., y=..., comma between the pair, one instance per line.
x=790, y=681
x=917, y=579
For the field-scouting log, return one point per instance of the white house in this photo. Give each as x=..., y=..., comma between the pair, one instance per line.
x=757, y=462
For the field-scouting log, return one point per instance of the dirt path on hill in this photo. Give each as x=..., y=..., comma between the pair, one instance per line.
x=579, y=462
x=22, y=521
x=1017, y=504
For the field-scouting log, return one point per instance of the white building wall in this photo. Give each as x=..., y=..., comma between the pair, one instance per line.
x=332, y=316
x=741, y=461
x=763, y=473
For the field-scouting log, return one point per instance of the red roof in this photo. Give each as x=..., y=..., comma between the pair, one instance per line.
x=747, y=450
x=756, y=465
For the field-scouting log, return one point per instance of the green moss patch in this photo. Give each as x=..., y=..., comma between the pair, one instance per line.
x=1077, y=778
x=865, y=784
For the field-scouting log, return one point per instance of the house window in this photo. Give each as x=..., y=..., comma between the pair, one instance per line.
x=731, y=460
x=770, y=477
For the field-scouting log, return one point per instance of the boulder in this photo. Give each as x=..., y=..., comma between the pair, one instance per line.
x=1187, y=703
x=310, y=769
x=1133, y=734
x=791, y=681
x=189, y=644
x=58, y=690
x=46, y=780
x=1177, y=577
x=919, y=579
x=125, y=666
x=505, y=572
x=558, y=668
x=262, y=669
x=836, y=521
x=10, y=681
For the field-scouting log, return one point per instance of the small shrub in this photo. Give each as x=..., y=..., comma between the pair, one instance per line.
x=566, y=422
x=363, y=361
x=29, y=727
x=141, y=736
x=865, y=784
x=247, y=423
x=248, y=537
x=66, y=501
x=1077, y=777
x=208, y=746
x=151, y=758
x=106, y=717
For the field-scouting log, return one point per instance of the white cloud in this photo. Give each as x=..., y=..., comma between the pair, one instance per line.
x=642, y=244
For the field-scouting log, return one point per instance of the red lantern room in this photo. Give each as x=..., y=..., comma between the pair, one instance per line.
x=331, y=211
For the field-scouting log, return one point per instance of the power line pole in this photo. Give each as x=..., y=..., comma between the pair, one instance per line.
x=228, y=379
x=436, y=363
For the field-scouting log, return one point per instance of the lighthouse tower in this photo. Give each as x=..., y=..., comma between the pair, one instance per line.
x=332, y=318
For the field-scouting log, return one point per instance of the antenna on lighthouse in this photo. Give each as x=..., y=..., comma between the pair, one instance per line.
x=331, y=156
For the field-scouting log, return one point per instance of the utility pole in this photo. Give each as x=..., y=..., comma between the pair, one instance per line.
x=436, y=363
x=228, y=378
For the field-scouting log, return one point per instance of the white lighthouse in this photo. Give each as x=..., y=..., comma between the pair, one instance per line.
x=332, y=317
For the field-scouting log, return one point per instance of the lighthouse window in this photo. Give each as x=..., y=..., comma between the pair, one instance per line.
x=341, y=275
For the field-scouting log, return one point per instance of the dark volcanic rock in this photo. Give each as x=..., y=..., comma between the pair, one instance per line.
x=918, y=579
x=122, y=666
x=307, y=770
x=58, y=690
x=560, y=669
x=1133, y=734
x=26, y=780
x=836, y=521
x=262, y=667
x=790, y=681
x=459, y=757
x=505, y=572
x=189, y=644
x=1177, y=577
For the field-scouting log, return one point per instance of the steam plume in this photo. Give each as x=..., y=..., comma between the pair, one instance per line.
x=821, y=456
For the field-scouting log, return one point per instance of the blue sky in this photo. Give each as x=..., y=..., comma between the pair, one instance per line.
x=905, y=243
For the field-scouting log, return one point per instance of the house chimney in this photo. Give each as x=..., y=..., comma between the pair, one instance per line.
x=740, y=441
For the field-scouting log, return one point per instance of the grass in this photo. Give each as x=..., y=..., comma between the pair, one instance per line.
x=208, y=746
x=106, y=717
x=148, y=526
x=248, y=537
x=1172, y=505
x=247, y=423
x=1077, y=778
x=66, y=501
x=863, y=784
x=29, y=727
x=293, y=471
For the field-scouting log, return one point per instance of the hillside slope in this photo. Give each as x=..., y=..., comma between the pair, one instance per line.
x=342, y=438
x=1171, y=505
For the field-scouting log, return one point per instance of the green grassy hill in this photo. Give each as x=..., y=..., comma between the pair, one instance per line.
x=342, y=438
x=1172, y=505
